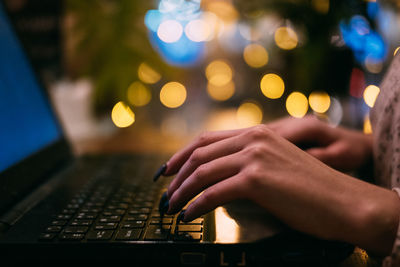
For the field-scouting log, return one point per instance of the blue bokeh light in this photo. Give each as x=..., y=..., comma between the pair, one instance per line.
x=183, y=52
x=365, y=42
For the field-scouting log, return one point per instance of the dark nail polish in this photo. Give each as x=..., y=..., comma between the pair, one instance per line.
x=163, y=206
x=181, y=216
x=160, y=172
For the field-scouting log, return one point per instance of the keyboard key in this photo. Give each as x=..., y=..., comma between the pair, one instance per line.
x=154, y=232
x=63, y=217
x=76, y=229
x=81, y=223
x=133, y=224
x=106, y=226
x=108, y=219
x=189, y=228
x=58, y=223
x=114, y=212
x=47, y=236
x=100, y=235
x=136, y=217
x=164, y=221
x=195, y=221
x=72, y=237
x=53, y=229
x=139, y=211
x=128, y=234
x=187, y=236
x=86, y=216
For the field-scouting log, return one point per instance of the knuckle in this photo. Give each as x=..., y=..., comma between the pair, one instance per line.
x=256, y=151
x=253, y=175
x=196, y=156
x=259, y=132
x=200, y=172
x=203, y=137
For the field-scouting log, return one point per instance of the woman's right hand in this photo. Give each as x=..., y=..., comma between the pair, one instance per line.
x=340, y=148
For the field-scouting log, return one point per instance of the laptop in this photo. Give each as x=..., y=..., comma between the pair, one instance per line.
x=58, y=209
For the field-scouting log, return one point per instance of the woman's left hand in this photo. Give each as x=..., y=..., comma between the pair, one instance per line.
x=301, y=191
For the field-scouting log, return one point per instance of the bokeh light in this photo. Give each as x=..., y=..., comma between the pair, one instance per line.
x=224, y=10
x=272, y=86
x=367, y=128
x=373, y=66
x=198, y=30
x=255, y=55
x=173, y=94
x=249, y=114
x=286, y=38
x=219, y=73
x=170, y=31
x=321, y=6
x=122, y=115
x=221, y=93
x=297, y=105
x=138, y=94
x=147, y=74
x=396, y=50
x=319, y=101
x=370, y=95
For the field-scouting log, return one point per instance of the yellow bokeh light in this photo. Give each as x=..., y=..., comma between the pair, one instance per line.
x=370, y=95
x=224, y=10
x=122, y=115
x=219, y=73
x=249, y=114
x=373, y=66
x=255, y=55
x=321, y=6
x=170, y=31
x=221, y=93
x=138, y=94
x=286, y=38
x=147, y=74
x=272, y=86
x=396, y=50
x=367, y=125
x=197, y=30
x=319, y=101
x=173, y=94
x=297, y=104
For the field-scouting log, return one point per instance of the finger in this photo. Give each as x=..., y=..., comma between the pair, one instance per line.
x=204, y=176
x=328, y=155
x=179, y=158
x=216, y=195
x=206, y=154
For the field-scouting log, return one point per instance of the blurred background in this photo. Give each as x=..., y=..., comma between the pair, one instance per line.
x=150, y=75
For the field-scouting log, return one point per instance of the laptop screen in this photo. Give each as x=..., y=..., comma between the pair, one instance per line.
x=27, y=122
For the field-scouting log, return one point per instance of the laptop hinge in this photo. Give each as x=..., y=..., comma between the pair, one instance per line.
x=14, y=214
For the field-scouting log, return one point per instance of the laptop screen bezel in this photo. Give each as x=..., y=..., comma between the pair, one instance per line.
x=22, y=178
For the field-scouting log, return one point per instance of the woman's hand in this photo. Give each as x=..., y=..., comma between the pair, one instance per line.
x=340, y=148
x=259, y=165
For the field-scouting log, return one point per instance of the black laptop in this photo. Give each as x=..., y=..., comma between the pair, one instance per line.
x=56, y=209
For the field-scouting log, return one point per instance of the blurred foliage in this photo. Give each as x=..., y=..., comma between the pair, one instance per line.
x=107, y=40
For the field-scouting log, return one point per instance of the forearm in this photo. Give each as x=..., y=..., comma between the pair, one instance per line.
x=338, y=207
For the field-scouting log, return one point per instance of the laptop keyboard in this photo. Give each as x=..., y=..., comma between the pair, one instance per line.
x=112, y=211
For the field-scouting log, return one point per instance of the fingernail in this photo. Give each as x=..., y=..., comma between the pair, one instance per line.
x=181, y=216
x=163, y=206
x=160, y=172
